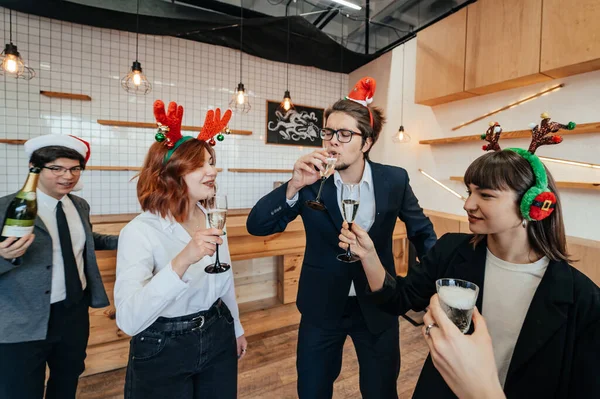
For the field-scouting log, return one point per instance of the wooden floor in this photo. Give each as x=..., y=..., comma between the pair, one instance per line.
x=269, y=369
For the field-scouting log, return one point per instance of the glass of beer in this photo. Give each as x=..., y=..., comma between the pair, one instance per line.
x=458, y=298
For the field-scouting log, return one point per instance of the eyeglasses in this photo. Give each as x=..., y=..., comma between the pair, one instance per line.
x=343, y=135
x=60, y=171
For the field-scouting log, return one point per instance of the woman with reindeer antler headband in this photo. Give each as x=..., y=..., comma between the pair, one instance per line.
x=543, y=315
x=185, y=326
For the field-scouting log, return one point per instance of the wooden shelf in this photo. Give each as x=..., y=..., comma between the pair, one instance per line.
x=123, y=168
x=114, y=168
x=12, y=141
x=584, y=128
x=559, y=184
x=241, y=170
x=69, y=96
x=147, y=125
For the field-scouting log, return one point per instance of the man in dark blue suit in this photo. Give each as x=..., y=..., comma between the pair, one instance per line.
x=331, y=293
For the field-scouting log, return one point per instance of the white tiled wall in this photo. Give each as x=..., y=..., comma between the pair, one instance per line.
x=81, y=59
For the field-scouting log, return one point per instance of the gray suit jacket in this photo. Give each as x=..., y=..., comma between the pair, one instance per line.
x=25, y=288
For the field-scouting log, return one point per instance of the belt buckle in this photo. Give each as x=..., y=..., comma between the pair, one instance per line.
x=546, y=205
x=201, y=318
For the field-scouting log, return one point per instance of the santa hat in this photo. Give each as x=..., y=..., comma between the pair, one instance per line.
x=363, y=92
x=62, y=140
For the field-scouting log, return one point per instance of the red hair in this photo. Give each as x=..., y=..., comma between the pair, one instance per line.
x=161, y=188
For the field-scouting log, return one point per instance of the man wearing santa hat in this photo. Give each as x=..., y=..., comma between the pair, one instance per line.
x=46, y=294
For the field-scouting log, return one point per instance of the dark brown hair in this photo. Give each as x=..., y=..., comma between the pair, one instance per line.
x=161, y=188
x=43, y=156
x=360, y=113
x=507, y=170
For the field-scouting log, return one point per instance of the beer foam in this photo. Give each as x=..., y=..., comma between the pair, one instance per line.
x=457, y=297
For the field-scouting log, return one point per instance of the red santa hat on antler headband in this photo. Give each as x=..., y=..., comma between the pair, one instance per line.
x=169, y=126
x=363, y=92
x=61, y=140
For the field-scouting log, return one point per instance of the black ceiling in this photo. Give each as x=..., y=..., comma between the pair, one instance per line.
x=215, y=23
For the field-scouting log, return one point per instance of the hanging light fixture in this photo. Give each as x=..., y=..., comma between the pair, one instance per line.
x=401, y=136
x=286, y=104
x=135, y=81
x=12, y=64
x=240, y=101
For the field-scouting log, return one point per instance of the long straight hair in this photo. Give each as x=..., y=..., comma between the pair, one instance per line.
x=507, y=170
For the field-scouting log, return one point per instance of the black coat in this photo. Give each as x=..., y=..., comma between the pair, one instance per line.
x=557, y=354
x=325, y=281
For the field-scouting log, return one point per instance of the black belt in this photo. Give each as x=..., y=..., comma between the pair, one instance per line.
x=191, y=322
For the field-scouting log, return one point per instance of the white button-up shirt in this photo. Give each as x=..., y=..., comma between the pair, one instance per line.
x=365, y=216
x=47, y=213
x=148, y=288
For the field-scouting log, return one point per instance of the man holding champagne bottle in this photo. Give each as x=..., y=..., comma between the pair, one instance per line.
x=49, y=276
x=331, y=293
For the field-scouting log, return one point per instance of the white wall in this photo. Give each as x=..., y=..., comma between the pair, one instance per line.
x=81, y=59
x=578, y=101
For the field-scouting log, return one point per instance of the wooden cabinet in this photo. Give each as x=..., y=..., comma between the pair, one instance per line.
x=570, y=37
x=440, y=74
x=503, y=45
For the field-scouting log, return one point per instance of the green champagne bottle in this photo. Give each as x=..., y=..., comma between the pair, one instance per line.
x=22, y=211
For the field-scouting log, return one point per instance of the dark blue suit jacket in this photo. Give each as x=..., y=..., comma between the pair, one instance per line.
x=325, y=281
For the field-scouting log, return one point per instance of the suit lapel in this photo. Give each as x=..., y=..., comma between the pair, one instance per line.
x=472, y=267
x=38, y=223
x=546, y=314
x=330, y=198
x=381, y=192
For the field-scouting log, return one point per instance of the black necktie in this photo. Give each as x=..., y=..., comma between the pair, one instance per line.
x=72, y=280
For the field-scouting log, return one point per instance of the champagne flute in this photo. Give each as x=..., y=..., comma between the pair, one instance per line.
x=350, y=202
x=216, y=211
x=316, y=204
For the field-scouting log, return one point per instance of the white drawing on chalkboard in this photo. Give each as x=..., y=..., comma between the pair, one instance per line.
x=296, y=125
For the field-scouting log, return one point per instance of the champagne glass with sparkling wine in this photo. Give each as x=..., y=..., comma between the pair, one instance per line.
x=325, y=173
x=350, y=201
x=216, y=211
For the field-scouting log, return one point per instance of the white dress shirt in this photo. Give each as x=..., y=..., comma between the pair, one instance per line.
x=366, y=209
x=508, y=291
x=148, y=288
x=47, y=212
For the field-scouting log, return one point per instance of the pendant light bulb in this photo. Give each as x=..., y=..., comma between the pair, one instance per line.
x=10, y=64
x=137, y=79
x=286, y=104
x=401, y=136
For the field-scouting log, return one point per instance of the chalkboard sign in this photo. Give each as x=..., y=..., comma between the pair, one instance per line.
x=300, y=128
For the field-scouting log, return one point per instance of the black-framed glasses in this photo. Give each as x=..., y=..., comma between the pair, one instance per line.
x=343, y=135
x=60, y=171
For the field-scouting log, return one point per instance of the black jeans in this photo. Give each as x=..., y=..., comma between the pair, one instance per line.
x=320, y=350
x=193, y=356
x=23, y=364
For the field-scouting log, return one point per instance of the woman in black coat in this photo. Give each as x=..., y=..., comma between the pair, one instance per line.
x=542, y=314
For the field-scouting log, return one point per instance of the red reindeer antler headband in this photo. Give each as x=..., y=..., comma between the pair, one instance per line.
x=539, y=201
x=169, y=126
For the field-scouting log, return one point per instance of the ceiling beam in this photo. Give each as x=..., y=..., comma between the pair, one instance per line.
x=224, y=8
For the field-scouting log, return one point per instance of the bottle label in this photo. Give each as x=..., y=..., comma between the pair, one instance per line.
x=16, y=231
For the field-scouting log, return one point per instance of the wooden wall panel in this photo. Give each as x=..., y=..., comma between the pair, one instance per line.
x=440, y=73
x=503, y=45
x=570, y=37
